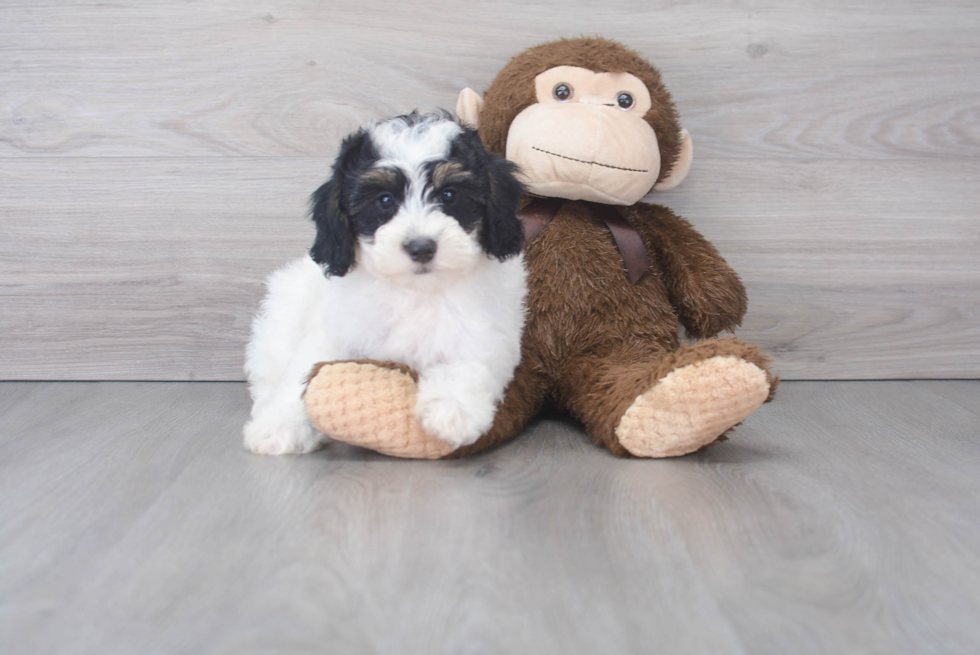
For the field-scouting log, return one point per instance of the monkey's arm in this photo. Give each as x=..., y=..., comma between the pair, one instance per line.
x=707, y=293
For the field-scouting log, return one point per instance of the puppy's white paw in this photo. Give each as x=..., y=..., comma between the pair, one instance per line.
x=265, y=436
x=457, y=421
x=451, y=421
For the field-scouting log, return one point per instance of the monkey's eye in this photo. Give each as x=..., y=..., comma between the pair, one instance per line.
x=624, y=100
x=386, y=200
x=448, y=196
x=562, y=92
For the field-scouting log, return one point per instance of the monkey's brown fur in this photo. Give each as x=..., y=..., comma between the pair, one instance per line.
x=593, y=341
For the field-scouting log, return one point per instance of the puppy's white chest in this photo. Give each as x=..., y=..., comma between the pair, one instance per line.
x=418, y=331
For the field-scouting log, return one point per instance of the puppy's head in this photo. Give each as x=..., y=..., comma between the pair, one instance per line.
x=416, y=200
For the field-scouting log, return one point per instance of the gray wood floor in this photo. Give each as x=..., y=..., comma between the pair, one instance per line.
x=843, y=518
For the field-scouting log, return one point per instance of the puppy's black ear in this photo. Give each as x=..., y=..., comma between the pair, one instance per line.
x=503, y=234
x=334, y=244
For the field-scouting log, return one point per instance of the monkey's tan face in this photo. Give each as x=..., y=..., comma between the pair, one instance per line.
x=585, y=138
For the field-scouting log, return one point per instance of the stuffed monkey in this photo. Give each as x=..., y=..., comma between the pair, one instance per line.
x=610, y=279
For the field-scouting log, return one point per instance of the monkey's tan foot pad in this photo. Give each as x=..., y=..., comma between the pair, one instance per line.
x=371, y=406
x=692, y=406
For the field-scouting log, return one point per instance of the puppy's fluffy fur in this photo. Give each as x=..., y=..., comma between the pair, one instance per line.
x=415, y=261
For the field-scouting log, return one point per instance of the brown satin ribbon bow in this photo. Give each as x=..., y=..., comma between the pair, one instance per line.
x=539, y=212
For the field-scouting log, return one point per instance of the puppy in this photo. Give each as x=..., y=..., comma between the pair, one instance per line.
x=416, y=260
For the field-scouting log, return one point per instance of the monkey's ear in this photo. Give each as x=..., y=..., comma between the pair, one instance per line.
x=502, y=233
x=468, y=107
x=681, y=167
x=334, y=244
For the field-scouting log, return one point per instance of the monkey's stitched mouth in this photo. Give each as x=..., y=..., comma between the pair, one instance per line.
x=582, y=161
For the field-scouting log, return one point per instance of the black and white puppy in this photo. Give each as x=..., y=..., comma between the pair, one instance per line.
x=415, y=261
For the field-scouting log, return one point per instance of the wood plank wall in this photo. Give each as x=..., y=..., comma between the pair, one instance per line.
x=156, y=157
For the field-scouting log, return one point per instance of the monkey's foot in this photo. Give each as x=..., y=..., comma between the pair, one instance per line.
x=371, y=405
x=692, y=406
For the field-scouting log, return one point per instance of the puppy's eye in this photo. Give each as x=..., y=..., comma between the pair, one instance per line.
x=386, y=200
x=624, y=100
x=448, y=196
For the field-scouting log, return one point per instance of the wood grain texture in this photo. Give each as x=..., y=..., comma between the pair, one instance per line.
x=841, y=518
x=143, y=269
x=290, y=78
x=155, y=160
x=158, y=287
x=966, y=396
x=888, y=288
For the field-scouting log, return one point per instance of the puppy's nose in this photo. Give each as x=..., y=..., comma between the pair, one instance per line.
x=420, y=250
